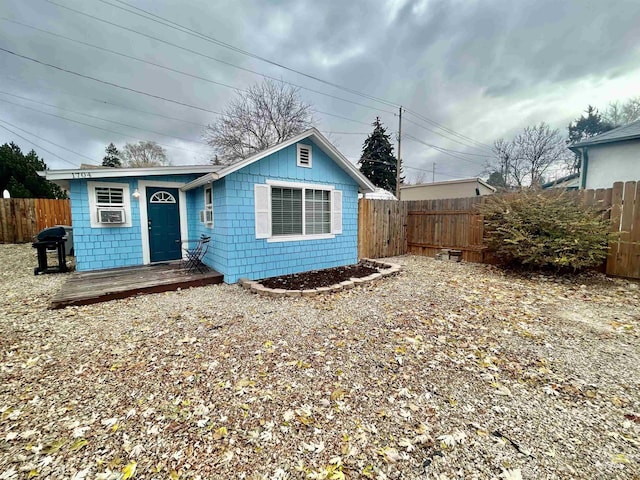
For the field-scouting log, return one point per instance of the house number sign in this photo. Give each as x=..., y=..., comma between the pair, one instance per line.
x=80, y=174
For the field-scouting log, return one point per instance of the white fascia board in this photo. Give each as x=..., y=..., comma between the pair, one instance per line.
x=490, y=187
x=365, y=185
x=198, y=182
x=87, y=173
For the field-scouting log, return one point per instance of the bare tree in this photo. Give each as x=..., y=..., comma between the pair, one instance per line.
x=524, y=160
x=623, y=113
x=144, y=154
x=261, y=116
x=631, y=110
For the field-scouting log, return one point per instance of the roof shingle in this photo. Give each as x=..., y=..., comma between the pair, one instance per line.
x=625, y=132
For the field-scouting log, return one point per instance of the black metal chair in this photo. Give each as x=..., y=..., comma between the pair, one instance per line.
x=193, y=256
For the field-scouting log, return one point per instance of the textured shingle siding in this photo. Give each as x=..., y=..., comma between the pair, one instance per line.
x=247, y=256
x=109, y=247
x=234, y=249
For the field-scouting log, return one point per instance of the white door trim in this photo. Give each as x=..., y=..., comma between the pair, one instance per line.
x=144, y=217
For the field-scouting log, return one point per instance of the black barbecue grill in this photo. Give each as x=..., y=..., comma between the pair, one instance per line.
x=50, y=239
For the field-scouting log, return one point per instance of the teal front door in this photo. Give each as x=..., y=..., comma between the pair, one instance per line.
x=163, y=214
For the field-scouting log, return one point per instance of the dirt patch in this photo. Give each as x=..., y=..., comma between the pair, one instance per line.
x=319, y=278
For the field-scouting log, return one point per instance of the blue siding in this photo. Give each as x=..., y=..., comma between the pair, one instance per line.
x=109, y=247
x=247, y=256
x=234, y=249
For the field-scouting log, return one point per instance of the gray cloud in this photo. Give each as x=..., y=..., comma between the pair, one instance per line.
x=484, y=69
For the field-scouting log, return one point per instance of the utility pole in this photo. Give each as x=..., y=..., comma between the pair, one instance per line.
x=433, y=173
x=399, y=154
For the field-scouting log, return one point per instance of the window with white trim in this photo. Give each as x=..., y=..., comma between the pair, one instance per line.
x=206, y=215
x=287, y=211
x=109, y=204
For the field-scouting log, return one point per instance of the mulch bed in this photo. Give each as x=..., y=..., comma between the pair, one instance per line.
x=319, y=278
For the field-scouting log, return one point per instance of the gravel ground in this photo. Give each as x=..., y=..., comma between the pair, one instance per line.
x=444, y=371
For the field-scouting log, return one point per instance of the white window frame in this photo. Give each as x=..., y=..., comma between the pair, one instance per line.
x=94, y=205
x=303, y=186
x=208, y=207
x=299, y=147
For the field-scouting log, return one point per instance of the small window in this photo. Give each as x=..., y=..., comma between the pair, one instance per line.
x=304, y=155
x=109, y=196
x=206, y=215
x=109, y=204
x=162, y=197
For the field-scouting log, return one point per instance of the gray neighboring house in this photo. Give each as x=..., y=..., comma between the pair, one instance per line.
x=613, y=156
x=569, y=182
x=459, y=188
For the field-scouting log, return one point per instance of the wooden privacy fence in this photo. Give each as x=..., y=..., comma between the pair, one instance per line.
x=436, y=224
x=22, y=218
x=381, y=228
x=389, y=227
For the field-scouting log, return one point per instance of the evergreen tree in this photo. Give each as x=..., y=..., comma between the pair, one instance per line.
x=112, y=157
x=378, y=163
x=19, y=174
x=585, y=127
x=588, y=126
x=496, y=179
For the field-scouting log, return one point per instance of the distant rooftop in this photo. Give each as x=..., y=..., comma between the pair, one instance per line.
x=379, y=194
x=451, y=182
x=630, y=131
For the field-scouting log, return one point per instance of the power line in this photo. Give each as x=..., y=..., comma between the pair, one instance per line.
x=48, y=141
x=441, y=150
x=38, y=146
x=447, y=129
x=456, y=152
x=97, y=128
x=103, y=119
x=114, y=52
x=159, y=97
x=168, y=23
x=440, y=134
x=176, y=26
x=105, y=102
x=410, y=168
x=195, y=52
x=347, y=133
x=105, y=82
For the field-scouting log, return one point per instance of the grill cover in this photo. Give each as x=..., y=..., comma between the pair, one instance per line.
x=51, y=234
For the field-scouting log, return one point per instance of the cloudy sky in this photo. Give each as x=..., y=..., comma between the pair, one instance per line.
x=467, y=72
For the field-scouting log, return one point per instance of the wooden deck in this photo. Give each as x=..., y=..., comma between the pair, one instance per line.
x=85, y=288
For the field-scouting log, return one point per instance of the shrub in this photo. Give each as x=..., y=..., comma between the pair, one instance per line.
x=539, y=230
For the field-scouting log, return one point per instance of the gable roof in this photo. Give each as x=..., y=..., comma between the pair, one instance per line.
x=312, y=134
x=90, y=171
x=452, y=182
x=93, y=172
x=379, y=194
x=561, y=181
x=626, y=132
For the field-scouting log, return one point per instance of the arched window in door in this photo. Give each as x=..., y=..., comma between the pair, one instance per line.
x=162, y=197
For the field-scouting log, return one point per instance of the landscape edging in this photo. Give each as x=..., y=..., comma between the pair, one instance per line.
x=386, y=269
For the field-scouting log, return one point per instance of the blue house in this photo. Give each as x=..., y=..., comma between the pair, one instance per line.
x=288, y=209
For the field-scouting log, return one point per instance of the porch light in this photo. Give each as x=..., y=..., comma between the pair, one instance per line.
x=136, y=194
